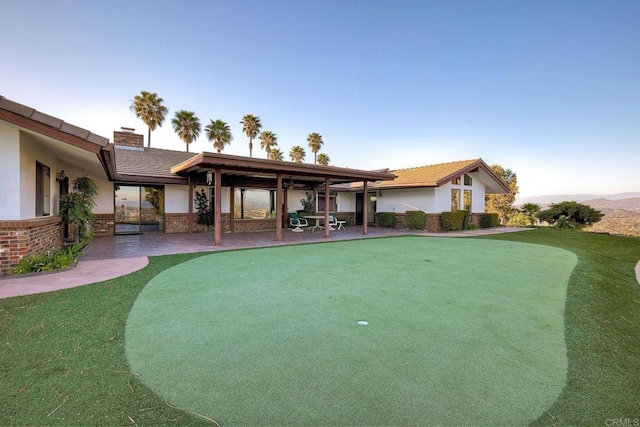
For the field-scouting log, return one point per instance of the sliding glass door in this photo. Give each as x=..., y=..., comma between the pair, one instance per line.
x=139, y=209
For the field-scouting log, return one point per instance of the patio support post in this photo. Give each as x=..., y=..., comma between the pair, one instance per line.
x=232, y=208
x=365, y=208
x=279, y=197
x=190, y=216
x=326, y=207
x=218, y=207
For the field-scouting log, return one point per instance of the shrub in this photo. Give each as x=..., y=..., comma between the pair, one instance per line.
x=76, y=206
x=203, y=206
x=519, y=220
x=578, y=215
x=49, y=261
x=489, y=220
x=308, y=203
x=415, y=220
x=386, y=219
x=453, y=221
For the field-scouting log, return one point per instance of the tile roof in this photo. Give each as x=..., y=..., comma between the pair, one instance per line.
x=433, y=175
x=148, y=162
x=430, y=176
x=53, y=122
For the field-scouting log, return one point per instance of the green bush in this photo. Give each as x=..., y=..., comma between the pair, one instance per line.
x=49, y=261
x=386, y=219
x=453, y=221
x=415, y=220
x=519, y=219
x=489, y=220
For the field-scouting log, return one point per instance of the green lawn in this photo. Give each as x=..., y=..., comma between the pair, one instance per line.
x=62, y=358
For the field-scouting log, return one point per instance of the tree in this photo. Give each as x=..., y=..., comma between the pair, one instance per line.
x=220, y=133
x=268, y=140
x=502, y=204
x=148, y=107
x=531, y=210
x=251, y=127
x=323, y=159
x=573, y=213
x=76, y=207
x=297, y=154
x=315, y=143
x=276, y=154
x=187, y=126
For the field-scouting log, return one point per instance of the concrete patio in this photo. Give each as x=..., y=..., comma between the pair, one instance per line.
x=114, y=256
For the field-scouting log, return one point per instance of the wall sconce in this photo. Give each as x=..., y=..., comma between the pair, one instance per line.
x=379, y=194
x=60, y=176
x=209, y=177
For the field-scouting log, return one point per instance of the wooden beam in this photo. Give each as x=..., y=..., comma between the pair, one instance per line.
x=279, y=198
x=190, y=216
x=232, y=208
x=365, y=208
x=218, y=207
x=326, y=207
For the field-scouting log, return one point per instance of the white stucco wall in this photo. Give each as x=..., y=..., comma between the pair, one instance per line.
x=403, y=200
x=293, y=199
x=176, y=198
x=346, y=202
x=30, y=153
x=9, y=172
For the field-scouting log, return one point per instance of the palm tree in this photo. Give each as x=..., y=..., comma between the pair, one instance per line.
x=297, y=154
x=219, y=132
x=187, y=126
x=276, y=154
x=148, y=107
x=268, y=140
x=531, y=210
x=323, y=159
x=315, y=142
x=251, y=127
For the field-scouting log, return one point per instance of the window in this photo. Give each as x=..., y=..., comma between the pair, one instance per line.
x=467, y=200
x=43, y=189
x=333, y=202
x=455, y=199
x=467, y=180
x=252, y=203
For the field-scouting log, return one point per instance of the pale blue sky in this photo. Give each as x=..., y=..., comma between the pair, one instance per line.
x=549, y=89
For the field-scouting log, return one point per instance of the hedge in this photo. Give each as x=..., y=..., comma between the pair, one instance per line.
x=386, y=219
x=489, y=220
x=454, y=221
x=415, y=220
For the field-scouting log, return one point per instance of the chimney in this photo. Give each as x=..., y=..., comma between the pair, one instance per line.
x=125, y=137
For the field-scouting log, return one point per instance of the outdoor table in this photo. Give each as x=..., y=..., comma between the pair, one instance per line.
x=317, y=224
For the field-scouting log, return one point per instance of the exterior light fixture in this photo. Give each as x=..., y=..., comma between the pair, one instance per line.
x=209, y=177
x=60, y=176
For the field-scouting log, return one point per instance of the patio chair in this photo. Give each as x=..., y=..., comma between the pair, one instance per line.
x=296, y=222
x=340, y=224
x=332, y=222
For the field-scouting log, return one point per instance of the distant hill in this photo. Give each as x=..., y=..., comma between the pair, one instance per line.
x=622, y=211
x=580, y=198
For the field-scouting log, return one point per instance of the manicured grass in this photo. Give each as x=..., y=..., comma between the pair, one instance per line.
x=459, y=331
x=67, y=348
x=602, y=320
x=62, y=359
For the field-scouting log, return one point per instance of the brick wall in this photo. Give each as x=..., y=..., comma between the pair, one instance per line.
x=433, y=222
x=179, y=223
x=28, y=237
x=103, y=225
x=128, y=139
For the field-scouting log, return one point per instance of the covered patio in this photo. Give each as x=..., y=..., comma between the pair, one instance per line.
x=240, y=172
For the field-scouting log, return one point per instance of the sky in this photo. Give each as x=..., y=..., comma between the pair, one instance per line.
x=548, y=89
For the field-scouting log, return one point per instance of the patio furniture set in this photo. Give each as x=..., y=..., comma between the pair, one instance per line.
x=297, y=222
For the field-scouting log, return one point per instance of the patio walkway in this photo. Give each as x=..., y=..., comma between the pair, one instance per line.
x=114, y=256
